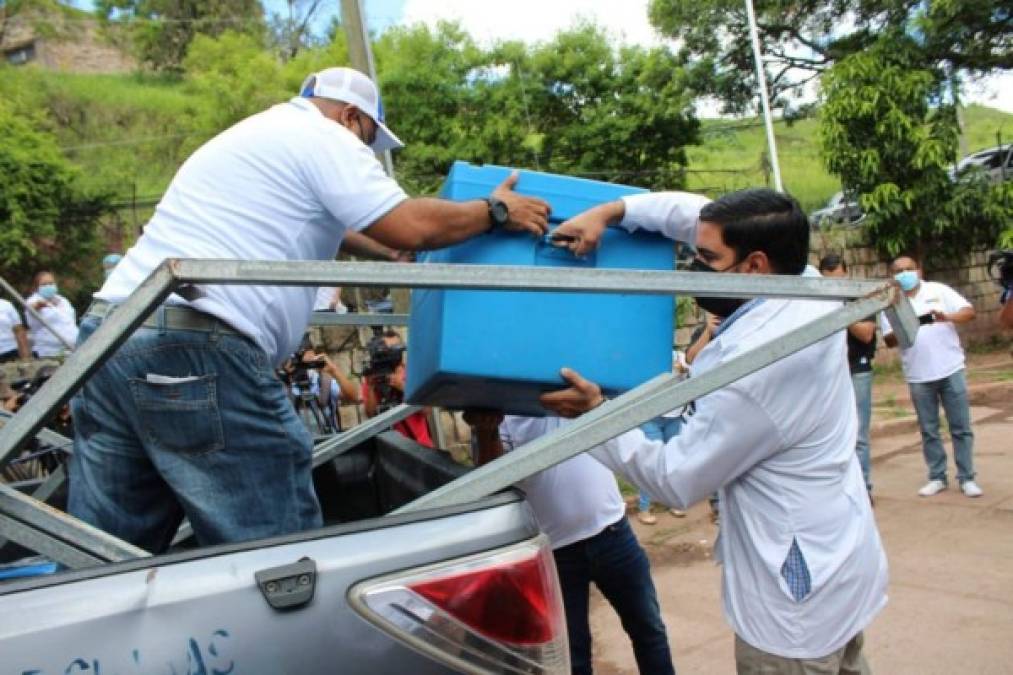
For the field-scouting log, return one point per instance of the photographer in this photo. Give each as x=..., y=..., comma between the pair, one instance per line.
x=383, y=386
x=317, y=386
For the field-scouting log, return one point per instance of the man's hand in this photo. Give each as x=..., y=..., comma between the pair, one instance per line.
x=939, y=317
x=582, y=233
x=39, y=304
x=397, y=378
x=529, y=214
x=581, y=396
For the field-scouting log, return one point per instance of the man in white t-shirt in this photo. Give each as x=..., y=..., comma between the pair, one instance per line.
x=578, y=505
x=934, y=370
x=56, y=311
x=188, y=417
x=13, y=337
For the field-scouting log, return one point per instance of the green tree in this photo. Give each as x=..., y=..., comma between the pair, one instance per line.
x=575, y=105
x=48, y=219
x=886, y=133
x=162, y=30
x=802, y=38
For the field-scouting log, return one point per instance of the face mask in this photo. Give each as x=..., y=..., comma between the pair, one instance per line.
x=720, y=307
x=48, y=291
x=908, y=279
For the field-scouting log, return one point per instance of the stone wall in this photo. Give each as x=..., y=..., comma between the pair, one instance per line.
x=68, y=45
x=968, y=276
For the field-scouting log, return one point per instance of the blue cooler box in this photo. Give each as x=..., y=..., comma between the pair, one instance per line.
x=503, y=349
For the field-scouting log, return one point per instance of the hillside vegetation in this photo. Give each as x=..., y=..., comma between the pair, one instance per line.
x=128, y=132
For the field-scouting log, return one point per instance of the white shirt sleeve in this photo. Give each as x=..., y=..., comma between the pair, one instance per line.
x=884, y=324
x=351, y=183
x=10, y=316
x=671, y=214
x=729, y=434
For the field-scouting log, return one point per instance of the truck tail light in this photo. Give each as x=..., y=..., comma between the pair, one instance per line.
x=498, y=612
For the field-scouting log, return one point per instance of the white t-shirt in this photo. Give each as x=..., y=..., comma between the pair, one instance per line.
x=324, y=297
x=9, y=318
x=284, y=184
x=573, y=500
x=936, y=353
x=59, y=314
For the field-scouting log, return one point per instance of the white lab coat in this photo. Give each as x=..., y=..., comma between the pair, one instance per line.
x=779, y=447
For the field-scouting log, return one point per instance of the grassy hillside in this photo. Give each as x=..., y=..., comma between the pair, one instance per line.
x=127, y=133
x=730, y=156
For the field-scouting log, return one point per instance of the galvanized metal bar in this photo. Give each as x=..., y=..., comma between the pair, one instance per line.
x=34, y=312
x=55, y=525
x=86, y=359
x=45, y=435
x=636, y=407
x=484, y=277
x=904, y=322
x=43, y=544
x=327, y=450
x=354, y=319
x=46, y=489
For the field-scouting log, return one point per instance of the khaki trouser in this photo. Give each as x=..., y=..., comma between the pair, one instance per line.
x=848, y=660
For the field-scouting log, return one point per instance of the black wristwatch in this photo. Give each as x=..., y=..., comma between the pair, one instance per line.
x=499, y=213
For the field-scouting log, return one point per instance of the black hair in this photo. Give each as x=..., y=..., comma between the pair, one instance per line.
x=759, y=219
x=831, y=262
x=391, y=333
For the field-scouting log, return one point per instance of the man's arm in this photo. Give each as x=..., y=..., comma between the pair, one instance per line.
x=864, y=331
x=671, y=214
x=361, y=246
x=485, y=430
x=727, y=436
x=425, y=223
x=349, y=394
x=962, y=315
x=1006, y=313
x=21, y=337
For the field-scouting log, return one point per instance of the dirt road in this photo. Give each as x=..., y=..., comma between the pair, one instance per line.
x=951, y=565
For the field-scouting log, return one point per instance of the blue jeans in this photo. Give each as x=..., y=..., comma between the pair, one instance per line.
x=219, y=442
x=862, y=382
x=618, y=566
x=952, y=393
x=658, y=429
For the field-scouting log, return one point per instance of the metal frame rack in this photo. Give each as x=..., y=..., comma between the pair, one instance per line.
x=29, y=522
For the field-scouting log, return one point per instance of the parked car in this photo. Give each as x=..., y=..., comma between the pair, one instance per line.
x=996, y=162
x=838, y=211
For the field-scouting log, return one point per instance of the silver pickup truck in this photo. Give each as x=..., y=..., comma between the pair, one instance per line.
x=470, y=589
x=458, y=580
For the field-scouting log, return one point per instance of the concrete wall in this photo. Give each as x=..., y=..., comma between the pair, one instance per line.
x=67, y=45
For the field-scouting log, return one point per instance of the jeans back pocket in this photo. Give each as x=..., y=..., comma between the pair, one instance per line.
x=179, y=414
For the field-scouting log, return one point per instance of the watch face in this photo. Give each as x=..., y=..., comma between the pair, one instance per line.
x=500, y=213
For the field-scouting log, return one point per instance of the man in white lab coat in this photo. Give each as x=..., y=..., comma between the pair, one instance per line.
x=804, y=570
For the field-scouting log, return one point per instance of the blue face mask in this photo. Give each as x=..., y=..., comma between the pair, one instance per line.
x=908, y=279
x=48, y=291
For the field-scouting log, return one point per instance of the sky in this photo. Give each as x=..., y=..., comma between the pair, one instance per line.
x=539, y=20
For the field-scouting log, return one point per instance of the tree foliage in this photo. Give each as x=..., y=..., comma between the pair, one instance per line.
x=574, y=105
x=802, y=38
x=886, y=133
x=49, y=220
x=162, y=30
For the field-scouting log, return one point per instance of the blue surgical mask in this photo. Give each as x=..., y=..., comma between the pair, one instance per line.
x=48, y=291
x=908, y=279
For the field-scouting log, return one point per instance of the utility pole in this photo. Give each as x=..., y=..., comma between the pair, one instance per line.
x=360, y=53
x=761, y=81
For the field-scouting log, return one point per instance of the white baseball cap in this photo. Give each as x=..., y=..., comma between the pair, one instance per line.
x=350, y=86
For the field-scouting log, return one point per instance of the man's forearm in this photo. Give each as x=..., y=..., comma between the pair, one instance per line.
x=21, y=337
x=358, y=244
x=962, y=315
x=865, y=331
x=424, y=223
